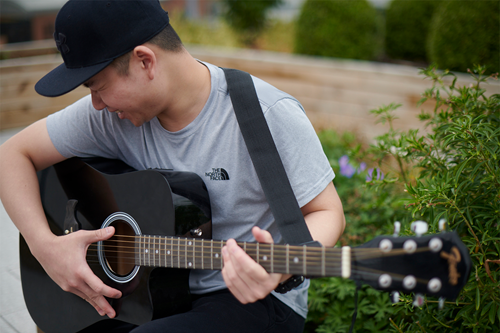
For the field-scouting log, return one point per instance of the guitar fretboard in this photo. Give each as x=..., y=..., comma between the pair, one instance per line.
x=179, y=252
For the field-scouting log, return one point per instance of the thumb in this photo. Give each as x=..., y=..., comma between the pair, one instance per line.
x=101, y=234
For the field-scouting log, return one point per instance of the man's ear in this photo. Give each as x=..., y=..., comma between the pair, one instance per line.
x=146, y=59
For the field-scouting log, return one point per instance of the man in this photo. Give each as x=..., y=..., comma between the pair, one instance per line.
x=153, y=105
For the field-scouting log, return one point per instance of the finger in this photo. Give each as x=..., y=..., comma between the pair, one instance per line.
x=262, y=236
x=229, y=275
x=90, y=301
x=245, y=274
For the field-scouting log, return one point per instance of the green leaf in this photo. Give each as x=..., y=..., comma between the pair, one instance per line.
x=478, y=298
x=486, y=308
x=493, y=309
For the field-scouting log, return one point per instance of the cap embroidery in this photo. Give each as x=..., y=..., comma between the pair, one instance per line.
x=61, y=43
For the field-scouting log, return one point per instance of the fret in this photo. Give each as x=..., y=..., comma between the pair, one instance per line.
x=189, y=264
x=154, y=252
x=185, y=253
x=171, y=252
x=304, y=261
x=143, y=250
x=165, y=250
x=148, y=251
x=218, y=255
x=178, y=252
x=287, y=259
x=202, y=254
x=212, y=255
x=258, y=249
x=272, y=258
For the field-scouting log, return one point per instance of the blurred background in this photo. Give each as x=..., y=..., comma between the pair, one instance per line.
x=339, y=58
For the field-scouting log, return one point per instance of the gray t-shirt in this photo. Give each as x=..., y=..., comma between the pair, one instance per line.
x=212, y=147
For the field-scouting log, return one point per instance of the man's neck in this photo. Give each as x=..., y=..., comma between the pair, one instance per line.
x=187, y=95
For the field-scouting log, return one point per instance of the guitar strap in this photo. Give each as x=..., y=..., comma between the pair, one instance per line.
x=265, y=158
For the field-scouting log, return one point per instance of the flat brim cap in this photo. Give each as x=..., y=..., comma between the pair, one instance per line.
x=91, y=34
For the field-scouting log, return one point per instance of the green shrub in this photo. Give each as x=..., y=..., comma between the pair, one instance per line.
x=248, y=18
x=458, y=180
x=406, y=28
x=343, y=29
x=452, y=172
x=464, y=33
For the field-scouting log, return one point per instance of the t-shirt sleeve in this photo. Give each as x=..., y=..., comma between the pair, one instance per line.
x=80, y=130
x=305, y=162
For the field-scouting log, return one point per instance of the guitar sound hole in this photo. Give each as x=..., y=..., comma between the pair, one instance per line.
x=119, y=249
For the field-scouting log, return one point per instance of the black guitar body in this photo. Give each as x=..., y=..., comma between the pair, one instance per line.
x=160, y=201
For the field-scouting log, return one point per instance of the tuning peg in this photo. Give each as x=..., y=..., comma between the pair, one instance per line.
x=441, y=303
x=395, y=296
x=397, y=228
x=442, y=225
x=419, y=227
x=419, y=300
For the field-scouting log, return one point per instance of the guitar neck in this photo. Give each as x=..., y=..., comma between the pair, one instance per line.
x=178, y=252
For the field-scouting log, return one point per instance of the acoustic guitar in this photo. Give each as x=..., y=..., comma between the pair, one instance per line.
x=163, y=230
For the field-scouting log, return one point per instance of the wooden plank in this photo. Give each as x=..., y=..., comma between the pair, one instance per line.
x=335, y=93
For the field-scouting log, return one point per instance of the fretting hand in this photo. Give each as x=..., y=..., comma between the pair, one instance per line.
x=247, y=280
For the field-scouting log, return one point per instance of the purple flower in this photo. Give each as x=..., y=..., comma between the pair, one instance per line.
x=346, y=169
x=344, y=161
x=369, y=176
x=362, y=167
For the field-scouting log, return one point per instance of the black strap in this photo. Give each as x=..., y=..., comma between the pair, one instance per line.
x=265, y=158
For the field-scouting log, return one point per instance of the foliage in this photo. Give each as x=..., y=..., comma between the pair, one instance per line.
x=343, y=29
x=407, y=25
x=277, y=36
x=458, y=180
x=464, y=33
x=331, y=300
x=450, y=172
x=332, y=303
x=248, y=18
x=367, y=213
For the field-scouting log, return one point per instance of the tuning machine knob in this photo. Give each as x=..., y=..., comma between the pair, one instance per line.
x=397, y=228
x=419, y=227
x=442, y=225
x=395, y=297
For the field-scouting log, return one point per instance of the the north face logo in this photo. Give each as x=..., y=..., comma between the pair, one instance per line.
x=217, y=174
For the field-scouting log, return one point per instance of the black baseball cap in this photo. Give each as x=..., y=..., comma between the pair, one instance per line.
x=90, y=34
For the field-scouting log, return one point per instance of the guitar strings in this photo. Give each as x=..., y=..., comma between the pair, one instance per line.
x=183, y=256
x=278, y=251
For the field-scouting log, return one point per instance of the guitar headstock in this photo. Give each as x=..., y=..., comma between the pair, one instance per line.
x=437, y=265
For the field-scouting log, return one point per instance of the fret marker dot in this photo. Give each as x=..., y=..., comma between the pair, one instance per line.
x=216, y=255
x=156, y=251
x=264, y=258
x=295, y=260
x=146, y=251
x=190, y=243
x=190, y=264
x=168, y=252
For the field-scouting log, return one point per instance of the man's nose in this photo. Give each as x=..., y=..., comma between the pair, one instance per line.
x=97, y=101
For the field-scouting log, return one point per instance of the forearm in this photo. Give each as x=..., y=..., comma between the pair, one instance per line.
x=20, y=157
x=20, y=195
